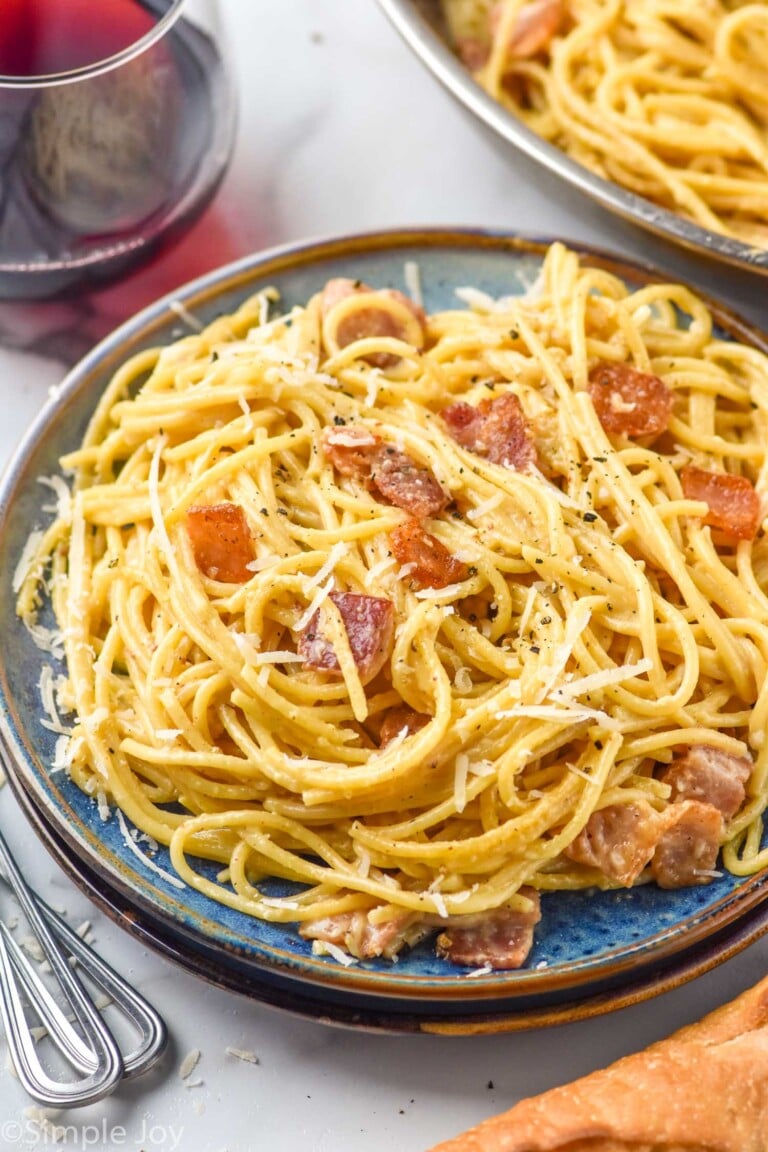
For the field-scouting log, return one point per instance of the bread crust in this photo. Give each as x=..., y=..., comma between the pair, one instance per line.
x=704, y=1089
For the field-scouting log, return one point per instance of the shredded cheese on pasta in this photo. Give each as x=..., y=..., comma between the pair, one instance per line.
x=599, y=627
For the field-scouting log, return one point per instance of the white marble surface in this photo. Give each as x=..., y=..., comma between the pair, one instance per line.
x=341, y=130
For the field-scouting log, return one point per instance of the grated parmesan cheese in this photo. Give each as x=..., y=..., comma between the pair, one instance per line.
x=479, y=301
x=461, y=768
x=349, y=439
x=412, y=277
x=580, y=772
x=184, y=314
x=578, y=714
x=243, y=1054
x=596, y=680
x=374, y=383
x=619, y=405
x=575, y=626
x=363, y=861
x=485, y=506
x=175, y=881
x=337, y=553
x=246, y=646
x=63, y=506
x=325, y=948
x=24, y=565
x=482, y=768
x=262, y=563
x=449, y=591
x=104, y=810
x=156, y=508
x=318, y=599
x=378, y=570
x=278, y=656
x=439, y=905
x=47, y=688
x=49, y=640
x=189, y=1063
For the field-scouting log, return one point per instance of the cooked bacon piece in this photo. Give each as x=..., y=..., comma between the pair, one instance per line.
x=687, y=849
x=619, y=840
x=534, y=28
x=399, y=718
x=433, y=565
x=734, y=505
x=370, y=625
x=351, y=449
x=406, y=484
x=355, y=451
x=221, y=542
x=531, y=33
x=374, y=319
x=353, y=932
x=473, y=52
x=497, y=429
x=465, y=422
x=501, y=938
x=629, y=402
x=710, y=775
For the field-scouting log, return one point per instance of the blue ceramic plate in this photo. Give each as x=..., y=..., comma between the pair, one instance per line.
x=592, y=951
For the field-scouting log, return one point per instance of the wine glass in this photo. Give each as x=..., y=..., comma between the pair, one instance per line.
x=117, y=120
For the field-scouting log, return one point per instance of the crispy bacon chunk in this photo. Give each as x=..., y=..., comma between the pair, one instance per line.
x=734, y=505
x=353, y=932
x=537, y=23
x=374, y=319
x=687, y=850
x=496, y=429
x=351, y=449
x=433, y=565
x=398, y=719
x=406, y=484
x=221, y=542
x=473, y=51
x=710, y=775
x=354, y=451
x=619, y=840
x=629, y=402
x=501, y=938
x=369, y=622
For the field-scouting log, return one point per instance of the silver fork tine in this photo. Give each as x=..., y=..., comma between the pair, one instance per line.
x=99, y=1039
x=149, y=1023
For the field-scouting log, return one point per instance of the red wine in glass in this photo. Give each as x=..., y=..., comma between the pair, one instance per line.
x=116, y=126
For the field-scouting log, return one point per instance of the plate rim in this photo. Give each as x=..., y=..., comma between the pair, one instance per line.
x=419, y=33
x=231, y=278
x=689, y=966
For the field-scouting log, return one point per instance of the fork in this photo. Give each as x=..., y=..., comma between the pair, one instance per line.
x=93, y=1051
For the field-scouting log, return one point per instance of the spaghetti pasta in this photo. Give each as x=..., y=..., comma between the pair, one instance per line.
x=422, y=613
x=668, y=98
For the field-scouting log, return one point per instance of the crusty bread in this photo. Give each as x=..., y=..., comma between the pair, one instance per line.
x=705, y=1089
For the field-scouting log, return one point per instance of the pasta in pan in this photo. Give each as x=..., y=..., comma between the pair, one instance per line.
x=668, y=98
x=427, y=614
